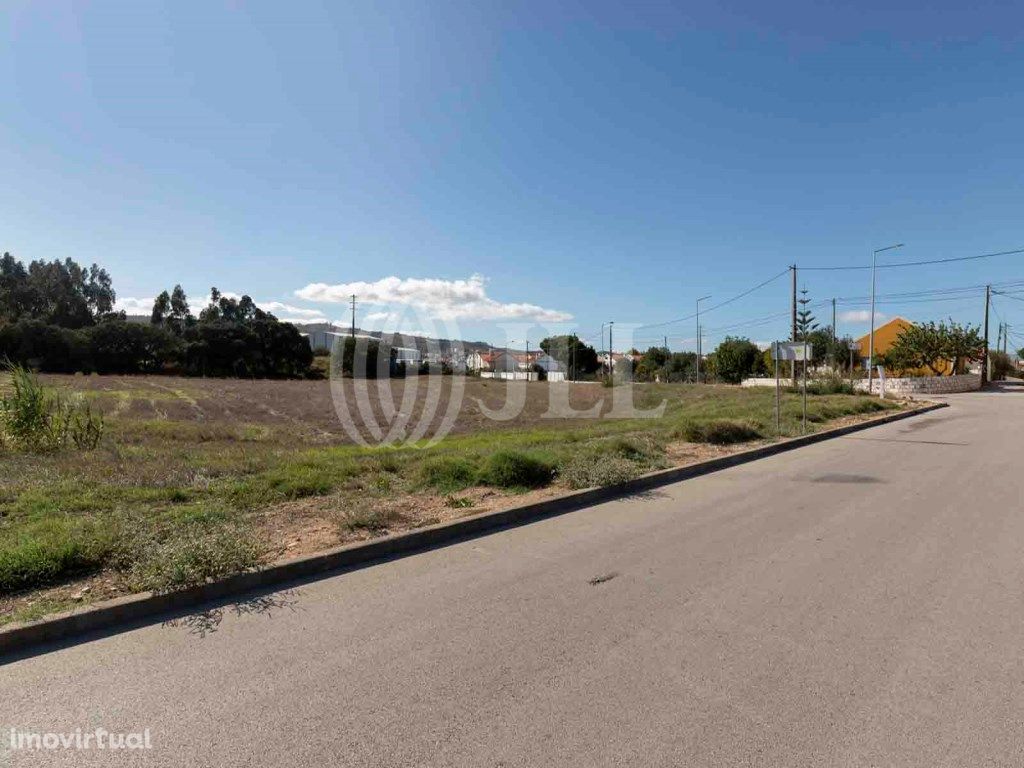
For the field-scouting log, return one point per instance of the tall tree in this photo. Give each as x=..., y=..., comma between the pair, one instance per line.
x=57, y=292
x=804, y=318
x=161, y=309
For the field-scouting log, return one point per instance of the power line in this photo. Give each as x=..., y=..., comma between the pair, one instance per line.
x=737, y=297
x=916, y=263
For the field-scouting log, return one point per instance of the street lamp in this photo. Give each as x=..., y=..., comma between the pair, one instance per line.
x=702, y=298
x=871, y=333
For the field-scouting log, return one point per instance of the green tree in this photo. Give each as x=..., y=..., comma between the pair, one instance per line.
x=161, y=309
x=570, y=351
x=60, y=293
x=734, y=359
x=804, y=318
x=932, y=345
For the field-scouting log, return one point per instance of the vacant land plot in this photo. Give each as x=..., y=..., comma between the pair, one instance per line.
x=197, y=478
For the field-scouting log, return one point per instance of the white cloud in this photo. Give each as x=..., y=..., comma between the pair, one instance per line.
x=279, y=309
x=133, y=306
x=859, y=316
x=442, y=299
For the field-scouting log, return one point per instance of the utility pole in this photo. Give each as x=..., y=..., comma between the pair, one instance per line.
x=702, y=298
x=833, y=321
x=664, y=341
x=353, y=315
x=527, y=359
x=573, y=356
x=984, y=357
x=698, y=353
x=611, y=361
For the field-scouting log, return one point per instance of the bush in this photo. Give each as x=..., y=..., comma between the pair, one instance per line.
x=448, y=474
x=720, y=432
x=370, y=520
x=592, y=471
x=512, y=469
x=830, y=384
x=33, y=418
x=1002, y=365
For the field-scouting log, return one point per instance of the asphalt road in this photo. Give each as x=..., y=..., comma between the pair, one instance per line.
x=854, y=603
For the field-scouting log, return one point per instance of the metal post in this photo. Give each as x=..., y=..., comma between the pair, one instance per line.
x=698, y=353
x=778, y=390
x=851, y=368
x=794, y=333
x=803, y=429
x=871, y=333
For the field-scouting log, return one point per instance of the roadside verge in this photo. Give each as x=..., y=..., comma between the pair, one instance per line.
x=135, y=609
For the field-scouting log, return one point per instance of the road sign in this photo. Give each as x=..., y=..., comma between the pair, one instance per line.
x=791, y=350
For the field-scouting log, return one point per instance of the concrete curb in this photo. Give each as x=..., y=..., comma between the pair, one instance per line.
x=134, y=608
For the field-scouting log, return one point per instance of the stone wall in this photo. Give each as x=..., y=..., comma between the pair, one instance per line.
x=911, y=385
x=925, y=385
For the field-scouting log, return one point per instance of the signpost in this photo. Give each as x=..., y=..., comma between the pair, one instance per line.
x=794, y=351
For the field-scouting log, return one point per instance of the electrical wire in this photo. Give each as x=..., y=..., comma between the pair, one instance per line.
x=913, y=263
x=712, y=308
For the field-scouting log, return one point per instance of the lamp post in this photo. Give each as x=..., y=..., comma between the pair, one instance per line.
x=871, y=333
x=702, y=298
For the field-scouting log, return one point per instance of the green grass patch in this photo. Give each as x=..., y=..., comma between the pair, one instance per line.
x=448, y=473
x=516, y=470
x=720, y=432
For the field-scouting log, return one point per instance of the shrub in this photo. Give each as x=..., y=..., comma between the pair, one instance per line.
x=720, y=432
x=448, y=473
x=372, y=520
x=830, y=384
x=34, y=418
x=1002, y=365
x=591, y=471
x=512, y=469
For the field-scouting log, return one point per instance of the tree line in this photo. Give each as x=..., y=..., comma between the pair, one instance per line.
x=59, y=317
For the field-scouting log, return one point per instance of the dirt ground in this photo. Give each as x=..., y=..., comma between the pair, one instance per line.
x=313, y=410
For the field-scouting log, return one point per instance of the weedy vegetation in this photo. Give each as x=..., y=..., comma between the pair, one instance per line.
x=160, y=483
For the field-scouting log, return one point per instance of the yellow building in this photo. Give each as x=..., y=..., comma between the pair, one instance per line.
x=885, y=337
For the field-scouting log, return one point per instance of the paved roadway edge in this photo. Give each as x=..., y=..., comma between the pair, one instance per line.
x=133, y=608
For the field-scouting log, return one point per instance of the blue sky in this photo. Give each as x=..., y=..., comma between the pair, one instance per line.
x=518, y=163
